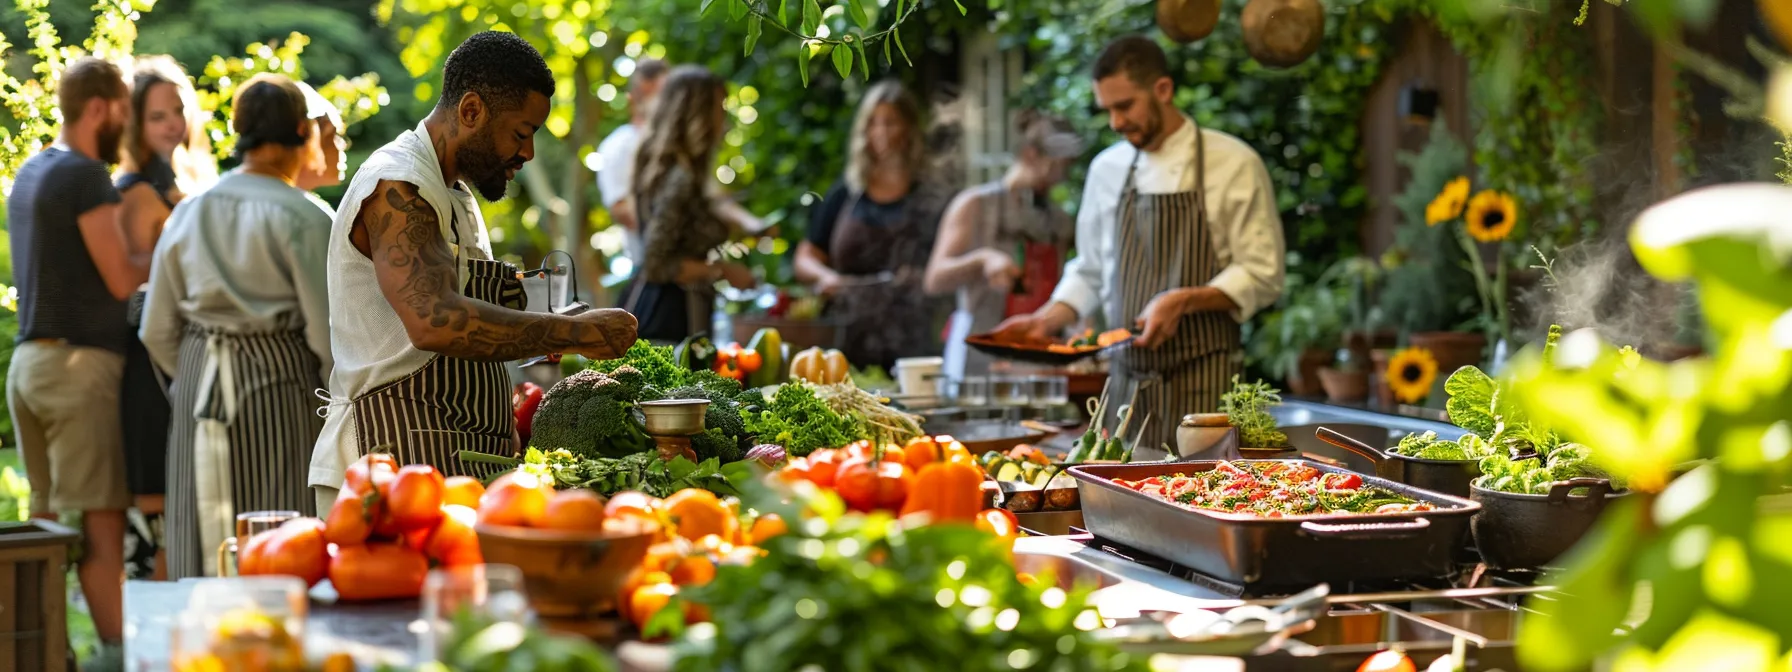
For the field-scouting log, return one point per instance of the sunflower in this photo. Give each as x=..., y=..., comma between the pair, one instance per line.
x=1410, y=373
x=1448, y=204
x=1491, y=216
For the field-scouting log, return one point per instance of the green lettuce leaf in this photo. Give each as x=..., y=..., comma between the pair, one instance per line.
x=1472, y=400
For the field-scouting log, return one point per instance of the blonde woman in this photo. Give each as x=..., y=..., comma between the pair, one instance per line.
x=869, y=241
x=674, y=293
x=165, y=157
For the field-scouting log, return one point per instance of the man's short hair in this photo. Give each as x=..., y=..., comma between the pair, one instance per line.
x=267, y=110
x=647, y=71
x=1136, y=56
x=500, y=68
x=85, y=80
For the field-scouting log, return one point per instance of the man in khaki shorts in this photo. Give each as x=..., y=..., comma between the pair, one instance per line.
x=74, y=272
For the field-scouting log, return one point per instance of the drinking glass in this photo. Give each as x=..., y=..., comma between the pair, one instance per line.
x=248, y=525
x=973, y=391
x=1010, y=390
x=490, y=593
x=1051, y=390
x=232, y=622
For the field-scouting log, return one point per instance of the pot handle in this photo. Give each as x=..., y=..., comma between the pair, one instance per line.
x=1335, y=438
x=1366, y=530
x=1597, y=488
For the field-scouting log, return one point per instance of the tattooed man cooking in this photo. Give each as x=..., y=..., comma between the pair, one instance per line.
x=421, y=316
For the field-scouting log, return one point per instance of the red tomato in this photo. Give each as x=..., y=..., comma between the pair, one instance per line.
x=824, y=466
x=1388, y=661
x=1000, y=522
x=416, y=498
x=378, y=572
x=453, y=540
x=867, y=485
x=298, y=549
x=348, y=522
x=360, y=474
x=749, y=360
x=250, y=553
x=380, y=513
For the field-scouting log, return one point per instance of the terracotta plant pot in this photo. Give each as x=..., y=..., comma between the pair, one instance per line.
x=1360, y=343
x=1303, y=381
x=1452, y=349
x=1378, y=377
x=1344, y=386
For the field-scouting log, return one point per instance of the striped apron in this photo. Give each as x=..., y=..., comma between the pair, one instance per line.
x=241, y=438
x=449, y=405
x=1163, y=243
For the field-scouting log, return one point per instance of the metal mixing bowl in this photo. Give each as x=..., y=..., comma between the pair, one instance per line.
x=674, y=417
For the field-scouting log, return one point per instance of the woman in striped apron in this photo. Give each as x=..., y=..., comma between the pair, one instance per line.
x=236, y=309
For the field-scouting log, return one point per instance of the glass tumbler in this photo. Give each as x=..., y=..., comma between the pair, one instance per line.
x=1010, y=390
x=1051, y=390
x=488, y=593
x=973, y=391
x=248, y=525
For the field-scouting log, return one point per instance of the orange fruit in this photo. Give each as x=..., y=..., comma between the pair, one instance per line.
x=463, y=490
x=516, y=498
x=630, y=502
x=648, y=600
x=693, y=570
x=574, y=510
x=642, y=577
x=766, y=527
x=696, y=513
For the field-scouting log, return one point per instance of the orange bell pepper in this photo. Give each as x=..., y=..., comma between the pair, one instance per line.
x=948, y=491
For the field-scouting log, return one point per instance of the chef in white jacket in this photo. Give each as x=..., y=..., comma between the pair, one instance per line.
x=1178, y=238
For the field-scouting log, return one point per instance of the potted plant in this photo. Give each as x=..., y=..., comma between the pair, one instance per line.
x=1350, y=287
x=1295, y=341
x=1247, y=406
x=1428, y=291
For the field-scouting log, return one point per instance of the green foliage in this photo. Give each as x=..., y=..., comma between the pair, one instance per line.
x=1304, y=121
x=801, y=422
x=32, y=101
x=642, y=472
x=859, y=592
x=481, y=644
x=1535, y=120
x=1537, y=474
x=1427, y=447
x=15, y=496
x=1428, y=286
x=357, y=98
x=1644, y=420
x=1247, y=407
x=1473, y=401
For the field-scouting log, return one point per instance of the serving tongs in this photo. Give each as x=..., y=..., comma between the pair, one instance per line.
x=1235, y=632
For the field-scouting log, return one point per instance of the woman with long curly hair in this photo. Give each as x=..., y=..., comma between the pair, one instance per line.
x=869, y=242
x=674, y=293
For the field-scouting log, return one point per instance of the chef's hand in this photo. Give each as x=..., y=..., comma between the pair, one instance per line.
x=999, y=269
x=1160, y=319
x=614, y=334
x=1028, y=328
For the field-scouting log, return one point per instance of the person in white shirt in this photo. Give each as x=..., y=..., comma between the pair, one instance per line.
x=617, y=153
x=1178, y=237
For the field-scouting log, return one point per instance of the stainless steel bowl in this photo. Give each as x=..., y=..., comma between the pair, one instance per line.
x=674, y=417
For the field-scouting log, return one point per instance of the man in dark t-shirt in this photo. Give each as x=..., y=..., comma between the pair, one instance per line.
x=74, y=273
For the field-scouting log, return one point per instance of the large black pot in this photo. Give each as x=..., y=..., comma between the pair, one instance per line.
x=1522, y=531
x=1450, y=477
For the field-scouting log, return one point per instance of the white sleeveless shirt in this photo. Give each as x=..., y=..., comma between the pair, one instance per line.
x=367, y=337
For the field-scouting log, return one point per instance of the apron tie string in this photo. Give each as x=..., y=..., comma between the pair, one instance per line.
x=330, y=401
x=217, y=511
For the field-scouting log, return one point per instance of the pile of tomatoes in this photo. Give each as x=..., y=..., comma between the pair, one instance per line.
x=871, y=480
x=380, y=537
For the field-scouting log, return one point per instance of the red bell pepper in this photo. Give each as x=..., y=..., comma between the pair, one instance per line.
x=524, y=399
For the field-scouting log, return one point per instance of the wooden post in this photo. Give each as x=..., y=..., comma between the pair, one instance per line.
x=1664, y=123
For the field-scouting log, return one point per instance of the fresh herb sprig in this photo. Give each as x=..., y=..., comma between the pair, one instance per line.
x=1247, y=406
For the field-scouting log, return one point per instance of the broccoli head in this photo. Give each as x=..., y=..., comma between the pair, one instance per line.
x=590, y=415
x=654, y=363
x=631, y=379
x=714, y=443
x=722, y=417
x=719, y=386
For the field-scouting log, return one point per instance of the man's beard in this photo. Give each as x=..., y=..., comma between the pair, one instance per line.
x=110, y=138
x=1154, y=127
x=479, y=164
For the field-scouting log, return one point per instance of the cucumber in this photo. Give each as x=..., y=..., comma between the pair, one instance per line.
x=991, y=458
x=1042, y=476
x=1008, y=471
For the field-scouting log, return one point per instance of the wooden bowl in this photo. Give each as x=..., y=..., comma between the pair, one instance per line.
x=569, y=574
